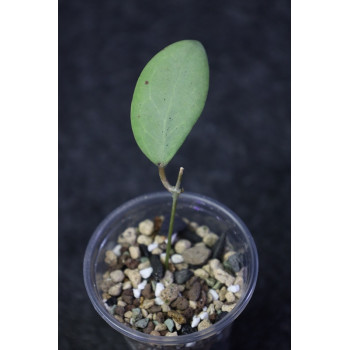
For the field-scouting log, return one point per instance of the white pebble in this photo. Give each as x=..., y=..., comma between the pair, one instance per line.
x=116, y=250
x=145, y=273
x=205, y=308
x=214, y=294
x=152, y=246
x=234, y=288
x=142, y=285
x=203, y=315
x=177, y=258
x=159, y=288
x=195, y=321
x=137, y=292
x=173, y=238
x=158, y=301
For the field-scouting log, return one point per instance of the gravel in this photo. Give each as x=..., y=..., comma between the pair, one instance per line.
x=159, y=288
x=183, y=276
x=195, y=291
x=117, y=276
x=191, y=295
x=177, y=258
x=158, y=269
x=219, y=246
x=142, y=323
x=233, y=288
x=170, y=324
x=195, y=321
x=214, y=294
x=197, y=255
x=146, y=273
x=146, y=227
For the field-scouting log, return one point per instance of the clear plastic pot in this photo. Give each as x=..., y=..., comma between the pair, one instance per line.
x=197, y=208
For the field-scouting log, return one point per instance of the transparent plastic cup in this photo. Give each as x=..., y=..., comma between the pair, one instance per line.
x=197, y=208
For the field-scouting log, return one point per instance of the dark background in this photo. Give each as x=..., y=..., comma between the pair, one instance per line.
x=238, y=152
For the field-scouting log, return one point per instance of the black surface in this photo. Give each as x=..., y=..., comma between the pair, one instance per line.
x=238, y=153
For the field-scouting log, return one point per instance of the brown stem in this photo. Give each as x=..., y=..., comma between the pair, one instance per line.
x=165, y=182
x=163, y=178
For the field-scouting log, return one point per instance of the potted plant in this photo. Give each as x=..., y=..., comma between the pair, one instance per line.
x=170, y=270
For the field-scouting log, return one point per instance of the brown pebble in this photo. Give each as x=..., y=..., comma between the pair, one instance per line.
x=128, y=292
x=202, y=300
x=147, y=292
x=154, y=309
x=119, y=310
x=118, y=265
x=195, y=291
x=177, y=317
x=136, y=302
x=128, y=299
x=125, y=256
x=212, y=317
x=129, y=307
x=149, y=328
x=181, y=303
x=160, y=317
x=192, y=280
x=162, y=333
x=124, y=249
x=131, y=263
x=128, y=296
x=157, y=223
x=188, y=314
x=204, y=286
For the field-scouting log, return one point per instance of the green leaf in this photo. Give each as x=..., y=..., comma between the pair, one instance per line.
x=168, y=99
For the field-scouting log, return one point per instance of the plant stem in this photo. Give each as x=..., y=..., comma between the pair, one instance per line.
x=175, y=192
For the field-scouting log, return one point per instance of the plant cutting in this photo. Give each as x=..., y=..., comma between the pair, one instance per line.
x=168, y=99
x=179, y=265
